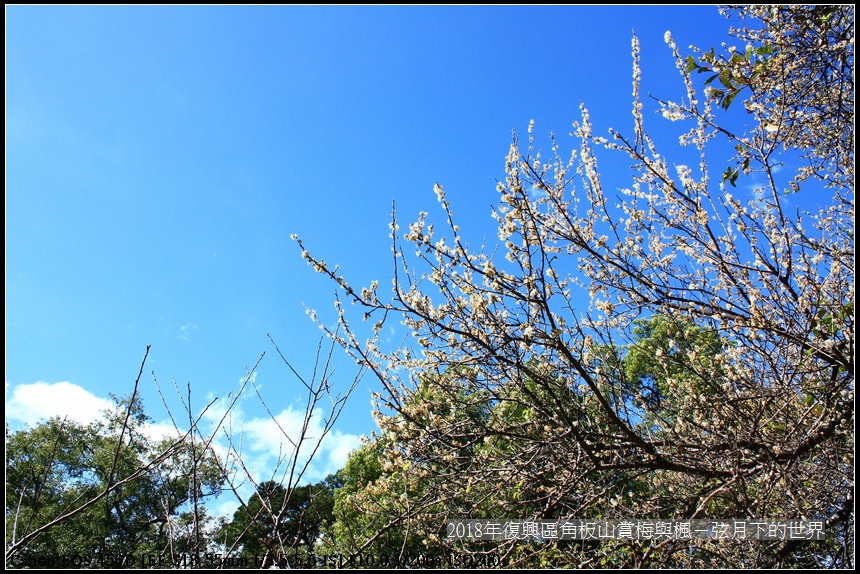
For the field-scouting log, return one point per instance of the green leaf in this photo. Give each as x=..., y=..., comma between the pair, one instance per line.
x=692, y=65
x=727, y=101
x=765, y=50
x=731, y=175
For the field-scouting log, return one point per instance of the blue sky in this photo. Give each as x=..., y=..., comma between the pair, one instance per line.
x=158, y=160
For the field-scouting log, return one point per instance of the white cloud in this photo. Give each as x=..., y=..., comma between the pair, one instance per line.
x=338, y=447
x=269, y=443
x=266, y=445
x=158, y=431
x=32, y=403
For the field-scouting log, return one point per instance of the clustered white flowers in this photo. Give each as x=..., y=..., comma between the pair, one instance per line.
x=748, y=313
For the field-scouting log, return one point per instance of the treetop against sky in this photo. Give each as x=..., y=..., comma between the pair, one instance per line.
x=159, y=159
x=584, y=261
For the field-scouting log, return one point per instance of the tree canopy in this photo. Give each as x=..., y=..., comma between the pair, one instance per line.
x=100, y=477
x=277, y=520
x=105, y=494
x=679, y=348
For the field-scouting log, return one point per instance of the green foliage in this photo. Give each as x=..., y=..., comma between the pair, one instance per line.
x=736, y=73
x=368, y=513
x=797, y=72
x=278, y=520
x=59, y=467
x=666, y=350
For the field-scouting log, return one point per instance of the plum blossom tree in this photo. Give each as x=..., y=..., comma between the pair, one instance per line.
x=681, y=350
x=797, y=71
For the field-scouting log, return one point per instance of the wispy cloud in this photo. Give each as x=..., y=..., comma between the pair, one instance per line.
x=267, y=445
x=536, y=193
x=185, y=331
